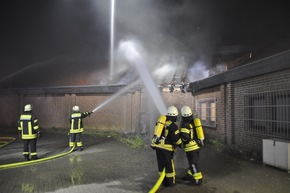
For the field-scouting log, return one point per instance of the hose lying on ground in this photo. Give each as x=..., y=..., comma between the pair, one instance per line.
x=6, y=140
x=158, y=183
x=18, y=164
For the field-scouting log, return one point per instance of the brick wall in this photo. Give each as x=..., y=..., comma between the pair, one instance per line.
x=135, y=112
x=270, y=82
x=9, y=108
x=214, y=92
x=230, y=107
x=132, y=112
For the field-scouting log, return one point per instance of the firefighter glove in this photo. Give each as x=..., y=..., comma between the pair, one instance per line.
x=200, y=142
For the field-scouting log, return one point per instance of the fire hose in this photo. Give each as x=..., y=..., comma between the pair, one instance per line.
x=158, y=183
x=6, y=140
x=24, y=163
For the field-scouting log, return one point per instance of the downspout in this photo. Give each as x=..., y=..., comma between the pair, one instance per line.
x=225, y=112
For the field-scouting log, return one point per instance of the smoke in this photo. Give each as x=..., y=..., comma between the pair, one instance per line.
x=166, y=70
x=197, y=71
x=131, y=50
x=217, y=69
x=173, y=34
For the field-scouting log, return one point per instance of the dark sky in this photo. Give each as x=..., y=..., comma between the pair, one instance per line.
x=69, y=36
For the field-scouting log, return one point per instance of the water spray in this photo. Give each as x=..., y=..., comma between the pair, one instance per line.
x=125, y=89
x=131, y=53
x=112, y=38
x=29, y=67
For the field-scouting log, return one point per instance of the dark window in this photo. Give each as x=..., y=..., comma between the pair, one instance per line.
x=268, y=113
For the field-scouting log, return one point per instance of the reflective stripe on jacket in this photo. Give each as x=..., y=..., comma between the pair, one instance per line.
x=187, y=136
x=171, y=137
x=28, y=125
x=76, y=122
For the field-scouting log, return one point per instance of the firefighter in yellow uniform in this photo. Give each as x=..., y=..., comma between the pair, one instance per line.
x=192, y=137
x=29, y=131
x=166, y=138
x=76, y=127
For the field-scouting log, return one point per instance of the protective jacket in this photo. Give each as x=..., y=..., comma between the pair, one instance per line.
x=170, y=137
x=188, y=136
x=28, y=125
x=76, y=122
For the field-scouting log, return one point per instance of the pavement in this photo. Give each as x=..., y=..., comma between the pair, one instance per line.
x=107, y=165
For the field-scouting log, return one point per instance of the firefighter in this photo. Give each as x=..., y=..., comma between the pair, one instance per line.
x=29, y=132
x=192, y=137
x=166, y=143
x=76, y=127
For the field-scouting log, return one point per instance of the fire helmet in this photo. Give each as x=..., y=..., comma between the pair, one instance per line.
x=172, y=111
x=186, y=111
x=76, y=108
x=28, y=107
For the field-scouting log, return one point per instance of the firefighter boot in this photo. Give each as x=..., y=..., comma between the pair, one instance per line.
x=197, y=179
x=34, y=157
x=197, y=182
x=26, y=157
x=188, y=176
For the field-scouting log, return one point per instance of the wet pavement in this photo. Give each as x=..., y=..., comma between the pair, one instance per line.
x=109, y=166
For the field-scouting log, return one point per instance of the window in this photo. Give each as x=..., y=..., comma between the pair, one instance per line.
x=268, y=113
x=256, y=113
x=206, y=109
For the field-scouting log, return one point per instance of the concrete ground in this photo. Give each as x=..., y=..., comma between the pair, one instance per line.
x=109, y=166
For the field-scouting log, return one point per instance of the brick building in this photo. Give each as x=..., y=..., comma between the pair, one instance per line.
x=240, y=106
x=130, y=112
x=246, y=104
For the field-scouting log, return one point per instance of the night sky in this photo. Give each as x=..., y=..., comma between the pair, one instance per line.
x=56, y=42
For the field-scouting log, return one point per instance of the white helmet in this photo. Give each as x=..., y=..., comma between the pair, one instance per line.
x=186, y=111
x=172, y=111
x=28, y=107
x=76, y=108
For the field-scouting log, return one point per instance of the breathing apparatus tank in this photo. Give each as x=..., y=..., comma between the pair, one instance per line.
x=198, y=128
x=159, y=129
x=187, y=112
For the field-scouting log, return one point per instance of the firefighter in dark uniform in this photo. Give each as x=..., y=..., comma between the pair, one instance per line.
x=76, y=127
x=29, y=131
x=192, y=137
x=166, y=139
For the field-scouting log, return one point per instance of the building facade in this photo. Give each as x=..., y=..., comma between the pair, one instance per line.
x=241, y=106
x=129, y=112
x=246, y=104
